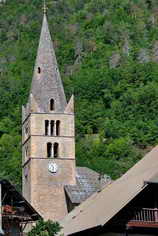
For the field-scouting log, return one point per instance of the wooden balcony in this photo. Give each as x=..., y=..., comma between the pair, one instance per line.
x=10, y=212
x=144, y=217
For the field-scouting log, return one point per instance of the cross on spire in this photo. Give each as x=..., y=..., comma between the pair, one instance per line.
x=44, y=7
x=46, y=83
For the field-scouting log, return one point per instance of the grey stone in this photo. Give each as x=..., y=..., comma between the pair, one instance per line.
x=143, y=56
x=114, y=60
x=46, y=83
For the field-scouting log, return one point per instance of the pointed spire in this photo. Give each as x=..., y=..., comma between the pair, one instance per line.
x=70, y=106
x=46, y=83
x=33, y=106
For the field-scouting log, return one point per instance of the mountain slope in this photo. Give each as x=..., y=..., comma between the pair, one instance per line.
x=107, y=52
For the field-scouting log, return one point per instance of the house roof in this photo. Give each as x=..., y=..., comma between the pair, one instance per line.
x=99, y=208
x=153, y=180
x=87, y=182
x=9, y=193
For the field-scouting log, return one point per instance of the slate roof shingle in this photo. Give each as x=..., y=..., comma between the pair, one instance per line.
x=47, y=83
x=87, y=183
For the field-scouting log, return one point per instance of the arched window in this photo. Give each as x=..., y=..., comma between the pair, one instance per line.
x=52, y=106
x=39, y=70
x=56, y=150
x=49, y=150
x=52, y=127
x=46, y=127
x=57, y=127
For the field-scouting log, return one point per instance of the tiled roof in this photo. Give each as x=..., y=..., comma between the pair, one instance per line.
x=87, y=182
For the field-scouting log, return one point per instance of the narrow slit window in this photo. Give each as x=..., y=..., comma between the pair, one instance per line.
x=49, y=150
x=46, y=127
x=26, y=152
x=52, y=127
x=39, y=70
x=57, y=127
x=56, y=150
x=26, y=129
x=52, y=106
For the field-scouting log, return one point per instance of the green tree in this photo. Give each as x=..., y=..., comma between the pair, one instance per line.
x=45, y=228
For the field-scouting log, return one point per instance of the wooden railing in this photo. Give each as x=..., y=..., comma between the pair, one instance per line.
x=149, y=215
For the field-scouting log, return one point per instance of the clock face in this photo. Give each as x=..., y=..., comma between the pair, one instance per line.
x=53, y=167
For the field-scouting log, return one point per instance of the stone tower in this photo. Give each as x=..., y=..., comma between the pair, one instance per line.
x=48, y=141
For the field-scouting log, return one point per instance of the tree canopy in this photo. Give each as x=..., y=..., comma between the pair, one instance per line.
x=45, y=228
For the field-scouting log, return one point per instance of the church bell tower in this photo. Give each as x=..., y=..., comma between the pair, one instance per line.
x=48, y=141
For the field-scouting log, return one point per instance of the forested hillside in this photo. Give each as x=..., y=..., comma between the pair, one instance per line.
x=107, y=52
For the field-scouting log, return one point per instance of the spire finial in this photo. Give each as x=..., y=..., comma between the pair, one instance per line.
x=44, y=7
